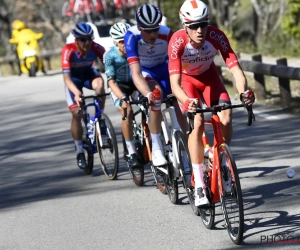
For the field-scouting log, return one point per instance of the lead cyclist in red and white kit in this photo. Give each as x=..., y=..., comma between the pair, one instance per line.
x=192, y=71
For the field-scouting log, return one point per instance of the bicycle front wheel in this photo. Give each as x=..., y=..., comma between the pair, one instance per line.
x=186, y=169
x=108, y=149
x=231, y=199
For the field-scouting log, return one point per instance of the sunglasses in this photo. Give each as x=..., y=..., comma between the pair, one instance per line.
x=150, y=30
x=83, y=40
x=195, y=26
x=121, y=42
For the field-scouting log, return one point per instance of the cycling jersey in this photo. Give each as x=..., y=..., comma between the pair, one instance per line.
x=153, y=58
x=72, y=62
x=148, y=55
x=116, y=66
x=80, y=68
x=198, y=71
x=185, y=59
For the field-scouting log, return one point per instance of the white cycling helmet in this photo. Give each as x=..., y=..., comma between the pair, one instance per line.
x=118, y=31
x=193, y=11
x=148, y=15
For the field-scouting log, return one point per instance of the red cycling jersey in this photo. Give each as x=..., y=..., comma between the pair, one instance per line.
x=196, y=66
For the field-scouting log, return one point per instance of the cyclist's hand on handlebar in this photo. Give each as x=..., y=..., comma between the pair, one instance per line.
x=150, y=98
x=78, y=99
x=190, y=105
x=247, y=97
x=124, y=102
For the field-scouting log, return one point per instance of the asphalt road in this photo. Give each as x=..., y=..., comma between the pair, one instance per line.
x=46, y=202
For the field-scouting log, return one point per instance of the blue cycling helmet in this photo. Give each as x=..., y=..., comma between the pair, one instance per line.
x=82, y=29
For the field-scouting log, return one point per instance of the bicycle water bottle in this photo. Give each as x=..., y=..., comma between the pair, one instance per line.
x=91, y=128
x=157, y=99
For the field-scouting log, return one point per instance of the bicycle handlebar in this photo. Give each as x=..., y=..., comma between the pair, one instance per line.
x=83, y=98
x=218, y=108
x=168, y=100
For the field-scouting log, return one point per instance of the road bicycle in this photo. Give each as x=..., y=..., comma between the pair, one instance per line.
x=102, y=140
x=141, y=135
x=221, y=167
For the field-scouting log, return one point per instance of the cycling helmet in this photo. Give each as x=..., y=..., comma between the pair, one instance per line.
x=148, y=15
x=82, y=29
x=118, y=31
x=18, y=25
x=193, y=11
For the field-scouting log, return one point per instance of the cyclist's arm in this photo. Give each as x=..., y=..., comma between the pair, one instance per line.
x=240, y=79
x=115, y=88
x=175, y=80
x=69, y=83
x=138, y=79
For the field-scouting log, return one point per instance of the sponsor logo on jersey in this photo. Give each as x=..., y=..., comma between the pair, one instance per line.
x=220, y=39
x=198, y=59
x=175, y=46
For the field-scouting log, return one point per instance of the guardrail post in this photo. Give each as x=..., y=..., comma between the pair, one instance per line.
x=259, y=79
x=12, y=67
x=284, y=86
x=48, y=63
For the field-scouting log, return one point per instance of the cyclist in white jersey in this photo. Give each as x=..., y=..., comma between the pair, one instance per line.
x=147, y=54
x=120, y=82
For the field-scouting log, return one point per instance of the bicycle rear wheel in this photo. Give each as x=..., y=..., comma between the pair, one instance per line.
x=207, y=213
x=186, y=169
x=231, y=200
x=108, y=152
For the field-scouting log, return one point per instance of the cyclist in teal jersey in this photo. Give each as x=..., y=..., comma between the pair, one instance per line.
x=120, y=82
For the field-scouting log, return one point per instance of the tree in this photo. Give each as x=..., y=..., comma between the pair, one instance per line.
x=291, y=19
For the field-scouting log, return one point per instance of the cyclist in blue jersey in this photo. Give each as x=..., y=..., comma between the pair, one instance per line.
x=77, y=65
x=121, y=85
x=147, y=54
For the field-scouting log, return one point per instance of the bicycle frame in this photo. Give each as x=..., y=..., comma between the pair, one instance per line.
x=215, y=173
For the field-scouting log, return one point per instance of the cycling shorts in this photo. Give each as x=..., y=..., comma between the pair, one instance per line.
x=128, y=89
x=80, y=81
x=208, y=84
x=160, y=74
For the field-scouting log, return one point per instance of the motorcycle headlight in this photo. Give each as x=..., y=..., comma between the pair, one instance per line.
x=30, y=52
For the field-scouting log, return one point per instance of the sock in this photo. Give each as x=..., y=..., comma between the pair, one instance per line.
x=156, y=142
x=78, y=145
x=198, y=176
x=130, y=146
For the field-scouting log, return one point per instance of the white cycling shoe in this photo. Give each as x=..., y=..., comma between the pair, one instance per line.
x=158, y=159
x=200, y=200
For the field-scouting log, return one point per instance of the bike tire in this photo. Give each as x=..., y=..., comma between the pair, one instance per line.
x=108, y=153
x=170, y=181
x=32, y=69
x=207, y=213
x=233, y=199
x=186, y=168
x=137, y=174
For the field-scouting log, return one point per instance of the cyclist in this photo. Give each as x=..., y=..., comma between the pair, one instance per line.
x=77, y=59
x=121, y=85
x=146, y=46
x=192, y=72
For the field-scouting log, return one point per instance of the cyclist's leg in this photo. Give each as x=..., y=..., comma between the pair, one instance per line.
x=215, y=93
x=126, y=125
x=192, y=86
x=76, y=127
x=164, y=82
x=158, y=158
x=97, y=84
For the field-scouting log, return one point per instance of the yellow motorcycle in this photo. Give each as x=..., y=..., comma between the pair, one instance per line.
x=28, y=50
